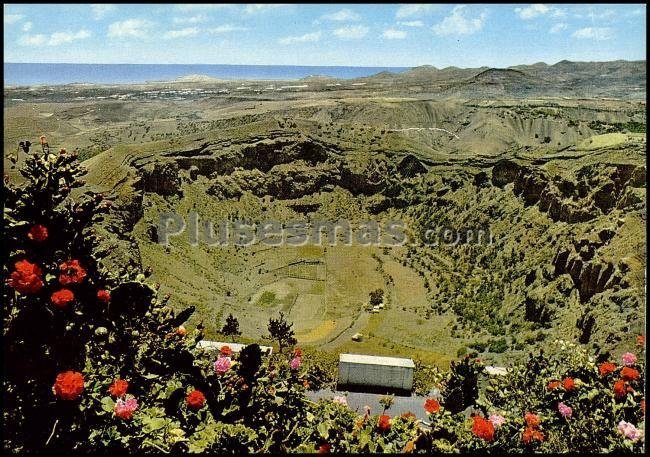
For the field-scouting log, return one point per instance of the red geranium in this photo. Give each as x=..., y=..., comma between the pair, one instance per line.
x=483, y=428
x=630, y=374
x=552, y=385
x=408, y=415
x=531, y=434
x=118, y=388
x=225, y=351
x=297, y=352
x=569, y=384
x=26, y=278
x=532, y=420
x=606, y=368
x=621, y=388
x=68, y=385
x=431, y=405
x=71, y=272
x=383, y=423
x=640, y=340
x=103, y=296
x=195, y=399
x=324, y=448
x=38, y=233
x=62, y=298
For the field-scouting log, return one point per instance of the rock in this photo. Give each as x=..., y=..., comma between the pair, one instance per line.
x=194, y=172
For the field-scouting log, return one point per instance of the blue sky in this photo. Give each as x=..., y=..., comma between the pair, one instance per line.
x=336, y=34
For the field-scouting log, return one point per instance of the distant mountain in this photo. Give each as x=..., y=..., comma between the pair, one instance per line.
x=618, y=78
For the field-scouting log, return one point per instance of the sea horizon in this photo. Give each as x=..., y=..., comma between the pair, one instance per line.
x=32, y=74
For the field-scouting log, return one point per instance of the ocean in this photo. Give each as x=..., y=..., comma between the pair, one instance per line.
x=27, y=74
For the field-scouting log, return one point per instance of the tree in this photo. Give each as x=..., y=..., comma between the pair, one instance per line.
x=376, y=297
x=231, y=327
x=282, y=331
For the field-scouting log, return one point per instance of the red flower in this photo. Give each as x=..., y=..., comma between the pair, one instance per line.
x=118, y=388
x=531, y=434
x=408, y=415
x=383, y=423
x=431, y=405
x=68, y=385
x=225, y=351
x=569, y=384
x=640, y=340
x=621, y=388
x=181, y=330
x=195, y=399
x=629, y=374
x=297, y=352
x=606, y=368
x=532, y=420
x=26, y=278
x=552, y=385
x=62, y=298
x=103, y=295
x=71, y=272
x=38, y=233
x=324, y=448
x=483, y=428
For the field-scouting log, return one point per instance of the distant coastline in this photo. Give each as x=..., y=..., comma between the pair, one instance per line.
x=31, y=74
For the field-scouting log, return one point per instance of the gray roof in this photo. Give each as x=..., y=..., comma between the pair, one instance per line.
x=376, y=360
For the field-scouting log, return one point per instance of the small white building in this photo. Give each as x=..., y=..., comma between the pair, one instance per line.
x=235, y=347
x=374, y=371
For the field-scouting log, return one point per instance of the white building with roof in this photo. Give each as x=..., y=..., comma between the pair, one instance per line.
x=373, y=371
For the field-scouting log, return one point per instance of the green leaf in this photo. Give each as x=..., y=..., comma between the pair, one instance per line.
x=108, y=404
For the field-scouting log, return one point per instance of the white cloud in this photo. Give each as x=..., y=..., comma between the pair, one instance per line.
x=557, y=28
x=33, y=40
x=182, y=33
x=531, y=11
x=393, y=34
x=539, y=9
x=414, y=10
x=261, y=7
x=56, y=39
x=352, y=32
x=59, y=38
x=411, y=23
x=227, y=28
x=594, y=33
x=307, y=37
x=343, y=15
x=201, y=6
x=101, y=9
x=13, y=18
x=196, y=19
x=130, y=28
x=27, y=26
x=458, y=24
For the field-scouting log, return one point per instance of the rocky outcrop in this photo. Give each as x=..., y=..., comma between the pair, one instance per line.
x=159, y=177
x=599, y=189
x=589, y=276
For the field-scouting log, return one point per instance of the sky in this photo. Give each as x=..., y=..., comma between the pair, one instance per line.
x=400, y=35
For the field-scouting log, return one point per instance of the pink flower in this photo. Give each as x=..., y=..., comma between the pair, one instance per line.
x=124, y=408
x=497, y=420
x=340, y=399
x=629, y=431
x=565, y=410
x=628, y=359
x=295, y=363
x=222, y=365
